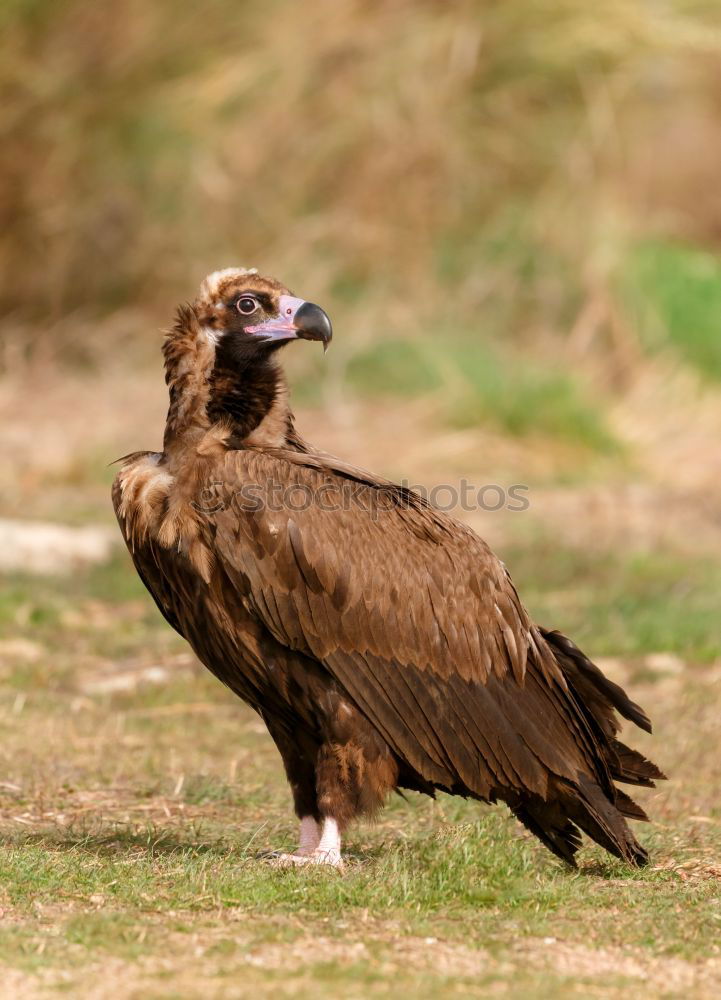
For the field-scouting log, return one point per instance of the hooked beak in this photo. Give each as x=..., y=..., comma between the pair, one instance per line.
x=297, y=320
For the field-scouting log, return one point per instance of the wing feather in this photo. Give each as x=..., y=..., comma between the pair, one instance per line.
x=414, y=617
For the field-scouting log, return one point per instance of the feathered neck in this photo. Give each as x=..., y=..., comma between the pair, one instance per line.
x=221, y=384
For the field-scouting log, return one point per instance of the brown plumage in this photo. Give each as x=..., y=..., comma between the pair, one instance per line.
x=381, y=641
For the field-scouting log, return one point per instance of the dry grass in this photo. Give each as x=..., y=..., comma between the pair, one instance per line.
x=483, y=166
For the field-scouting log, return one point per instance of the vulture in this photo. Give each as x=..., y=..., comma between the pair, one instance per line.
x=381, y=641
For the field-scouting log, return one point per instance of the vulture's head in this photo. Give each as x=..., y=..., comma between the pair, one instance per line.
x=220, y=362
x=248, y=315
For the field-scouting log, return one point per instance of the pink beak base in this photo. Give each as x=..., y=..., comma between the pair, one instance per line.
x=282, y=326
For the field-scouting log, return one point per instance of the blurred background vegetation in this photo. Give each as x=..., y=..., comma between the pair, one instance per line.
x=536, y=176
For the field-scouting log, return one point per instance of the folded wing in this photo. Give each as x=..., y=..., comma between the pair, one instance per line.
x=413, y=615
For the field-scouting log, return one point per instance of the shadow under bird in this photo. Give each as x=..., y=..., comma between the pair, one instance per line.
x=380, y=640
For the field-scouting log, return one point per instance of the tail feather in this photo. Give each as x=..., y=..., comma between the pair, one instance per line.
x=584, y=805
x=556, y=822
x=632, y=767
x=546, y=820
x=628, y=808
x=604, y=822
x=595, y=690
x=598, y=697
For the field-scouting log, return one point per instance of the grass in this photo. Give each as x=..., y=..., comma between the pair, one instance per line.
x=464, y=161
x=133, y=823
x=476, y=871
x=676, y=293
x=622, y=603
x=476, y=386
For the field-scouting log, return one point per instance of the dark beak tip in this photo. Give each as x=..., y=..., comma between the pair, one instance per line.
x=313, y=323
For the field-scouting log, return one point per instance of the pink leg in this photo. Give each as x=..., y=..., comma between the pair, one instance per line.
x=318, y=845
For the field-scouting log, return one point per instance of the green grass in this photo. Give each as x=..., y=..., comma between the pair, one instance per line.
x=675, y=292
x=472, y=885
x=477, y=875
x=395, y=367
x=621, y=603
x=476, y=386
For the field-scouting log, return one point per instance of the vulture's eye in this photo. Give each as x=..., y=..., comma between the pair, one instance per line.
x=246, y=305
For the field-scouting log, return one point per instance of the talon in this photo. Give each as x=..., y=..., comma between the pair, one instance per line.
x=317, y=857
x=330, y=857
x=283, y=860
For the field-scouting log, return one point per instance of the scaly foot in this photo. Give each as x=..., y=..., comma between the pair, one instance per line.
x=317, y=857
